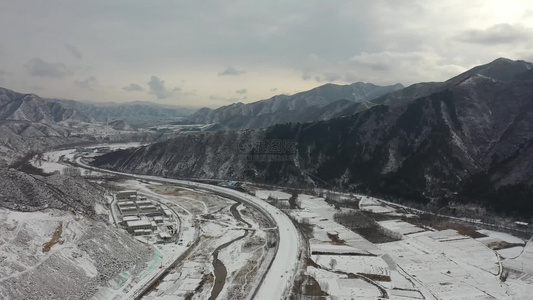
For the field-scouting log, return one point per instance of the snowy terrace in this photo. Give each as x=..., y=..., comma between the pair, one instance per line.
x=422, y=265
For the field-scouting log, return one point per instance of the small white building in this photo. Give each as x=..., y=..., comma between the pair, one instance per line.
x=128, y=211
x=137, y=232
x=130, y=218
x=131, y=226
x=144, y=202
x=164, y=235
x=167, y=212
x=148, y=209
x=126, y=195
x=126, y=203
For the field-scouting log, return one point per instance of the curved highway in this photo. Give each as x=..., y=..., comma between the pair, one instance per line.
x=278, y=281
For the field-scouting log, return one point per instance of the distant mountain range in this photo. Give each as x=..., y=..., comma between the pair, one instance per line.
x=136, y=114
x=28, y=124
x=32, y=108
x=468, y=139
x=324, y=102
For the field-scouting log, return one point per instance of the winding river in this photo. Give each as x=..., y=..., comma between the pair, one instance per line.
x=219, y=269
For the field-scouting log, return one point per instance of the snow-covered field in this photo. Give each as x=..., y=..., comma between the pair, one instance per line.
x=342, y=286
x=401, y=227
x=422, y=265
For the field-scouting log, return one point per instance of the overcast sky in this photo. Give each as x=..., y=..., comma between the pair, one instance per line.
x=212, y=53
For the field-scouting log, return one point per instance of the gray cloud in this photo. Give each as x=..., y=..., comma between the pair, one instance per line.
x=273, y=89
x=324, y=77
x=39, y=68
x=133, y=87
x=287, y=44
x=241, y=91
x=74, y=51
x=37, y=88
x=157, y=88
x=327, y=77
x=351, y=77
x=230, y=71
x=407, y=67
x=90, y=83
x=496, y=34
x=224, y=99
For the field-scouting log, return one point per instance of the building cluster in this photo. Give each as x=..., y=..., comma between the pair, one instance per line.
x=90, y=150
x=141, y=216
x=129, y=204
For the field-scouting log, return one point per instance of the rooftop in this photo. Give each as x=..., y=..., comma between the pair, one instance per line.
x=138, y=223
x=126, y=192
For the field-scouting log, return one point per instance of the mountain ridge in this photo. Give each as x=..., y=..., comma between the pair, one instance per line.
x=471, y=141
x=29, y=124
x=136, y=113
x=277, y=106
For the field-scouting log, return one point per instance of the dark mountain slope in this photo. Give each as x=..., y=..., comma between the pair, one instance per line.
x=501, y=69
x=472, y=141
x=306, y=106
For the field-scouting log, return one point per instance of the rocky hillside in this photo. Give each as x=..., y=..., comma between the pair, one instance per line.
x=137, y=114
x=501, y=69
x=470, y=141
x=60, y=254
x=30, y=124
x=30, y=107
x=317, y=104
x=25, y=192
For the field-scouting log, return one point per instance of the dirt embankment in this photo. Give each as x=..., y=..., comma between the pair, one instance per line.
x=55, y=238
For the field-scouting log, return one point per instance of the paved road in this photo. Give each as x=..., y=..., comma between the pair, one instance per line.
x=280, y=277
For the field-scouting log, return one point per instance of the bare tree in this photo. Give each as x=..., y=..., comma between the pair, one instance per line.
x=332, y=263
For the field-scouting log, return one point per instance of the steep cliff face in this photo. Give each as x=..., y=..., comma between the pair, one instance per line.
x=470, y=141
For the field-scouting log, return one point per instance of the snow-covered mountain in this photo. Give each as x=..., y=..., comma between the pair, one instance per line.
x=136, y=114
x=30, y=124
x=57, y=225
x=467, y=139
x=32, y=108
x=317, y=104
x=501, y=69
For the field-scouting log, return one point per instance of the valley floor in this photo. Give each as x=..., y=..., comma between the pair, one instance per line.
x=368, y=249
x=409, y=261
